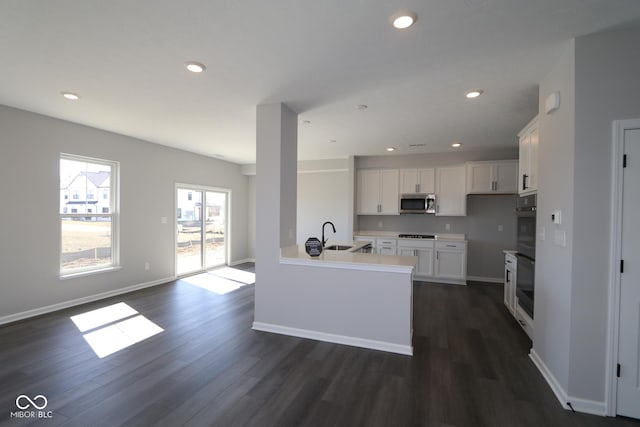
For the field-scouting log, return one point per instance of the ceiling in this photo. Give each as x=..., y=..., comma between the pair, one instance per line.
x=322, y=58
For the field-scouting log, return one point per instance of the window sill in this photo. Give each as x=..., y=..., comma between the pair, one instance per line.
x=89, y=272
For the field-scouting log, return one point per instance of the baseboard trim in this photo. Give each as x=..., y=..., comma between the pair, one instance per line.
x=431, y=279
x=242, y=261
x=79, y=301
x=579, y=405
x=334, y=338
x=485, y=279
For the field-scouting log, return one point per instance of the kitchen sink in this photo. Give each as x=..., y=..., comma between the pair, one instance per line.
x=338, y=248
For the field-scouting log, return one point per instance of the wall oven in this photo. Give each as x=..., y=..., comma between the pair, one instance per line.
x=526, y=252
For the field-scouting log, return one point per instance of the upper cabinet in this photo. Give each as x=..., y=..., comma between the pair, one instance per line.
x=528, y=141
x=451, y=199
x=417, y=181
x=377, y=192
x=492, y=177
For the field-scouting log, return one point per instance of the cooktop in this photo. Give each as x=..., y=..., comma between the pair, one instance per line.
x=417, y=236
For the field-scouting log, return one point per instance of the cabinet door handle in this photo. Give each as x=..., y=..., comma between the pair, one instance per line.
x=417, y=187
x=524, y=181
x=451, y=246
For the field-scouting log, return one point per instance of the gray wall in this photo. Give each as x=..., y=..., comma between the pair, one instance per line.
x=575, y=164
x=555, y=189
x=439, y=159
x=30, y=231
x=607, y=88
x=484, y=214
x=324, y=193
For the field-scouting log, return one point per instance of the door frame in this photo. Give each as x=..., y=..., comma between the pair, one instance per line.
x=204, y=189
x=611, y=382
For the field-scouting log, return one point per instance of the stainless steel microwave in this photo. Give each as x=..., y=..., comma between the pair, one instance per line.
x=417, y=203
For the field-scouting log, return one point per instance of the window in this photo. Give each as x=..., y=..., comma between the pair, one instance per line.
x=88, y=234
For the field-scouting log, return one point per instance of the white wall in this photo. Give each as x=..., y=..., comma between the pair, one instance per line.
x=30, y=233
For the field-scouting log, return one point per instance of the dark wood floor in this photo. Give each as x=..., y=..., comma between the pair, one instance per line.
x=209, y=368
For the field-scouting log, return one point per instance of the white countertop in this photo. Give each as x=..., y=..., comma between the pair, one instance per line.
x=348, y=259
x=394, y=234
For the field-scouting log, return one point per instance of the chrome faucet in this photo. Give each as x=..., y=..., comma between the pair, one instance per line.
x=334, y=230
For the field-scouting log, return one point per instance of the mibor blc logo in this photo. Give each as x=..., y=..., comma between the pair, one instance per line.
x=31, y=407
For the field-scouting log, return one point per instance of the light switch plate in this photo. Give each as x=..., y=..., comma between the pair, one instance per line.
x=542, y=233
x=556, y=217
x=560, y=238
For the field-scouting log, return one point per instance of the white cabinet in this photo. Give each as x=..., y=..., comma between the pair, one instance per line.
x=528, y=140
x=492, y=177
x=451, y=198
x=451, y=260
x=510, y=273
x=378, y=192
x=417, y=180
x=423, y=249
x=386, y=246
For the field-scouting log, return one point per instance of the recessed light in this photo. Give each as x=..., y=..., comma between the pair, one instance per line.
x=456, y=145
x=195, y=67
x=474, y=93
x=362, y=107
x=391, y=149
x=70, y=95
x=403, y=20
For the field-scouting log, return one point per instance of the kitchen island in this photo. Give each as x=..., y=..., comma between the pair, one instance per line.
x=345, y=297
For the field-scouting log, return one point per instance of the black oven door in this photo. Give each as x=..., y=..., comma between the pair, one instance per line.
x=526, y=232
x=525, y=283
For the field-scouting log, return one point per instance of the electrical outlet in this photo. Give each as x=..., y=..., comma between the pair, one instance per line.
x=379, y=224
x=147, y=266
x=447, y=227
x=500, y=227
x=163, y=220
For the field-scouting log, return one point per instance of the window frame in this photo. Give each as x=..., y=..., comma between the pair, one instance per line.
x=114, y=215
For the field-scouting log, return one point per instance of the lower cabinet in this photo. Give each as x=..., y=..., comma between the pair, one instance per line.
x=444, y=261
x=422, y=250
x=510, y=272
x=451, y=260
x=386, y=246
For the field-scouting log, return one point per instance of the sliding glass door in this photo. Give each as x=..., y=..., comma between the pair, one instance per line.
x=201, y=228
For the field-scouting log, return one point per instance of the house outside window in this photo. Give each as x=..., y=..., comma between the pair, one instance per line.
x=89, y=234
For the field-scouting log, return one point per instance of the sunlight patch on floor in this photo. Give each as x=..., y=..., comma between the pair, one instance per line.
x=119, y=334
x=242, y=276
x=102, y=316
x=221, y=281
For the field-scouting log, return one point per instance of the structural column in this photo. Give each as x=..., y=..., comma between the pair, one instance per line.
x=276, y=197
